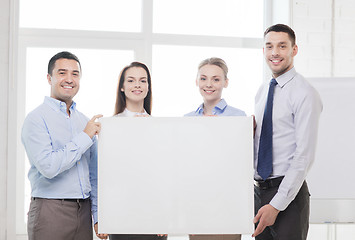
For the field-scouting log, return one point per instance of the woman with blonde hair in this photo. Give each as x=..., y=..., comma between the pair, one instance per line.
x=211, y=80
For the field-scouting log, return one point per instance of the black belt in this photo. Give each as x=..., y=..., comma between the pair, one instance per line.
x=66, y=199
x=75, y=200
x=268, y=183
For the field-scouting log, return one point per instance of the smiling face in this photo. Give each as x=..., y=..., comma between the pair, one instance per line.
x=64, y=80
x=211, y=81
x=135, y=85
x=279, y=52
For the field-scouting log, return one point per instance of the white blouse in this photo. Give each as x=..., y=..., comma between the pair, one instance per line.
x=127, y=113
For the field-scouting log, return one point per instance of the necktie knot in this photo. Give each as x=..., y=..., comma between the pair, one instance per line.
x=273, y=82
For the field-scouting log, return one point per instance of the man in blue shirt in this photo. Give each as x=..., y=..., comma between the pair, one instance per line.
x=61, y=146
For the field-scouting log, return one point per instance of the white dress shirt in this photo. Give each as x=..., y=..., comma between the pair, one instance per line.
x=127, y=113
x=296, y=110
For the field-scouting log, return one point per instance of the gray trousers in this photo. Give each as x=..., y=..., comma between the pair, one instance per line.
x=57, y=219
x=290, y=224
x=216, y=237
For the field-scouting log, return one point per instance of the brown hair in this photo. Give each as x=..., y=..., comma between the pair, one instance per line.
x=282, y=28
x=120, y=105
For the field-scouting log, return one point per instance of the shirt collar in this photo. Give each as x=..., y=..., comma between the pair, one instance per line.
x=128, y=113
x=221, y=105
x=199, y=110
x=59, y=105
x=286, y=77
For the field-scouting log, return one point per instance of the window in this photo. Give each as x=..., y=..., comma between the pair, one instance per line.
x=100, y=70
x=104, y=15
x=170, y=36
x=178, y=65
x=214, y=18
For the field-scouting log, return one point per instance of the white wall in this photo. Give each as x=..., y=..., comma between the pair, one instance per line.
x=4, y=73
x=325, y=36
x=344, y=38
x=7, y=140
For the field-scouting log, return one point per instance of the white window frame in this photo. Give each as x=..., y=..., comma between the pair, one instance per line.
x=141, y=43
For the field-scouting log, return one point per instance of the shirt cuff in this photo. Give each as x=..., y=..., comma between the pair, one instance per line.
x=83, y=141
x=94, y=215
x=279, y=202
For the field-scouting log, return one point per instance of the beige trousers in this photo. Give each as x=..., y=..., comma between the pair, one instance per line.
x=59, y=220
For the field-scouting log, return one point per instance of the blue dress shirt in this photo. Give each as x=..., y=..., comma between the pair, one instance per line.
x=221, y=109
x=63, y=158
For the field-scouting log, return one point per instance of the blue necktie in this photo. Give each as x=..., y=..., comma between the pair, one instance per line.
x=265, y=144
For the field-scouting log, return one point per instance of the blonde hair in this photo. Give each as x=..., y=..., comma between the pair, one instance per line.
x=217, y=62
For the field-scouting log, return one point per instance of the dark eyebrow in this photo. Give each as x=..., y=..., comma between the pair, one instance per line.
x=66, y=70
x=269, y=43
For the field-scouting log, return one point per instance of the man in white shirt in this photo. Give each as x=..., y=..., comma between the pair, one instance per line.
x=281, y=193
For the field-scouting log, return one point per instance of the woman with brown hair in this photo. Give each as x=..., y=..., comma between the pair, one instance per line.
x=134, y=91
x=134, y=99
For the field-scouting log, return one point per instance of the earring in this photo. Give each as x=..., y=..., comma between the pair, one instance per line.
x=122, y=90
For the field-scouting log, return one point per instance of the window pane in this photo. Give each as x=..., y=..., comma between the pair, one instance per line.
x=97, y=94
x=343, y=231
x=100, y=69
x=318, y=232
x=104, y=15
x=238, y=18
x=174, y=74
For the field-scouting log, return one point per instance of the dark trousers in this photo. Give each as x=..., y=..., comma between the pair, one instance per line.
x=215, y=237
x=290, y=224
x=59, y=219
x=136, y=237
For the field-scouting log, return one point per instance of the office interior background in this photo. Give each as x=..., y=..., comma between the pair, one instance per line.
x=171, y=37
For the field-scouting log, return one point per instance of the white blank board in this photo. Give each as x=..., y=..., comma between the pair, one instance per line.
x=329, y=180
x=176, y=175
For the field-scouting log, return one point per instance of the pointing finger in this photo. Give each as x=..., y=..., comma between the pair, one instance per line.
x=96, y=117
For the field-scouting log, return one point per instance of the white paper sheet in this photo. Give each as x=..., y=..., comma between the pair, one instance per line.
x=176, y=175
